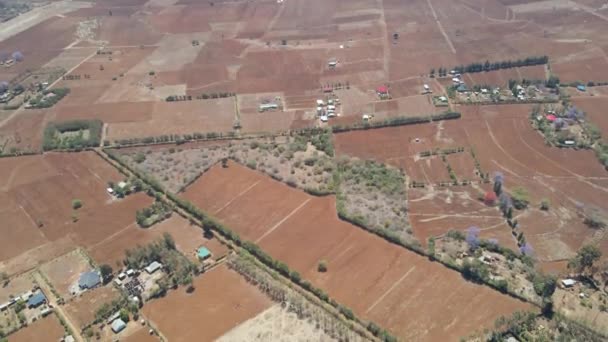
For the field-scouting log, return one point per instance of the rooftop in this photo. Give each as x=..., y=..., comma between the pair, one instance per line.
x=37, y=299
x=89, y=280
x=118, y=325
x=153, y=267
x=203, y=253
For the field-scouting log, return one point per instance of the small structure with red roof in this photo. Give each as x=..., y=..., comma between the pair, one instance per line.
x=382, y=91
x=490, y=198
x=551, y=117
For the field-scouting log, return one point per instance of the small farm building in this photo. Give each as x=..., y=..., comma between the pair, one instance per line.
x=203, y=253
x=382, y=90
x=568, y=282
x=153, y=267
x=268, y=106
x=118, y=325
x=581, y=87
x=36, y=300
x=89, y=280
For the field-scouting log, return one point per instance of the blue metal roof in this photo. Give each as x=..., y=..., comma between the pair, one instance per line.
x=203, y=253
x=37, y=299
x=89, y=280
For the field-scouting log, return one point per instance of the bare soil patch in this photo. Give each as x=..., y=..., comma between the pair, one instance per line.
x=275, y=323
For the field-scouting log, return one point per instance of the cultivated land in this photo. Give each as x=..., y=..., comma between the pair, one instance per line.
x=385, y=279
x=220, y=296
x=38, y=193
x=503, y=141
x=163, y=71
x=48, y=328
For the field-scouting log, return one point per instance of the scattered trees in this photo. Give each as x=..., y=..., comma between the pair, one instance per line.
x=585, y=258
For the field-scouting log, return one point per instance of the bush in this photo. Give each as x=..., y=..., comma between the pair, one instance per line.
x=322, y=267
x=520, y=198
x=76, y=204
x=544, y=204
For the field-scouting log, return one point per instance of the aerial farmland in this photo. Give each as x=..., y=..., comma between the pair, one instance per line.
x=303, y=170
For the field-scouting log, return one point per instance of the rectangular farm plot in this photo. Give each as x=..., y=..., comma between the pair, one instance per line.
x=382, y=277
x=82, y=308
x=257, y=206
x=45, y=329
x=187, y=239
x=183, y=117
x=463, y=165
x=37, y=201
x=222, y=299
x=221, y=187
x=63, y=272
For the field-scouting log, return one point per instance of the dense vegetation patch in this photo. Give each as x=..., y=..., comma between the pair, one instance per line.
x=373, y=195
x=72, y=135
x=48, y=98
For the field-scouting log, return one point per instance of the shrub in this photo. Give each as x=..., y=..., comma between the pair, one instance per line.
x=322, y=267
x=544, y=204
x=520, y=197
x=76, y=204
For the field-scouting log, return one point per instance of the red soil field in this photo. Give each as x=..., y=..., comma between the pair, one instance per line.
x=583, y=70
x=24, y=131
x=186, y=117
x=463, y=165
x=388, y=284
x=44, y=329
x=37, y=193
x=82, y=308
x=221, y=296
x=503, y=141
x=595, y=108
x=39, y=44
x=187, y=239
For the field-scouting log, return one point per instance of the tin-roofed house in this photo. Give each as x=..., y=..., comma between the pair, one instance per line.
x=89, y=280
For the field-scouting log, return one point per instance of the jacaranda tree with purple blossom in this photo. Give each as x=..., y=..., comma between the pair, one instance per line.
x=472, y=237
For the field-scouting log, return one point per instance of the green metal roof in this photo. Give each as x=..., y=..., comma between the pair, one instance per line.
x=203, y=252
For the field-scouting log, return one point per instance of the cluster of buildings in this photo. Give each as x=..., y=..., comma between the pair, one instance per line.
x=327, y=110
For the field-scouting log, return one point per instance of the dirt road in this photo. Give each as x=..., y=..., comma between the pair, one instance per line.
x=58, y=309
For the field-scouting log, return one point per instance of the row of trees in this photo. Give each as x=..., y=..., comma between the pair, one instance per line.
x=397, y=121
x=490, y=66
x=508, y=64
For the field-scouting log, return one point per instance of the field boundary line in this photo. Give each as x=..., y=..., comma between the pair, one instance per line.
x=445, y=35
x=110, y=237
x=390, y=289
x=237, y=196
x=283, y=220
x=72, y=69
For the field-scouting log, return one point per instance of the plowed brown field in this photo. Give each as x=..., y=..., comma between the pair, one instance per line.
x=414, y=298
x=222, y=300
